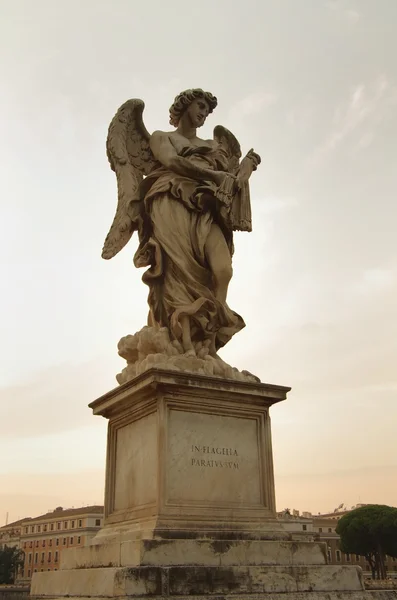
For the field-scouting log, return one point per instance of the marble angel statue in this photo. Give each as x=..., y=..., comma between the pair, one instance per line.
x=185, y=196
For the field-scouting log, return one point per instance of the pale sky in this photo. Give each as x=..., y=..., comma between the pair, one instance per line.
x=312, y=86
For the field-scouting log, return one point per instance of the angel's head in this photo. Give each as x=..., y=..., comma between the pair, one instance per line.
x=195, y=105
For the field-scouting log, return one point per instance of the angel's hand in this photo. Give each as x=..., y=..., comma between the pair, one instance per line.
x=256, y=159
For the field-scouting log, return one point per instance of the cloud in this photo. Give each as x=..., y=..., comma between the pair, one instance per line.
x=251, y=104
x=376, y=280
x=273, y=204
x=341, y=10
x=367, y=105
x=31, y=494
x=55, y=401
x=352, y=15
x=322, y=492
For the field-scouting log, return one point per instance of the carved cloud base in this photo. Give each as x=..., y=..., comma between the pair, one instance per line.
x=151, y=348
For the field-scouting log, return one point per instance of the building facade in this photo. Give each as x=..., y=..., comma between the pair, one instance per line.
x=43, y=538
x=322, y=528
x=10, y=534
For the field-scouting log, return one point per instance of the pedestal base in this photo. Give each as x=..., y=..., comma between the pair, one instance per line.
x=189, y=503
x=193, y=569
x=189, y=456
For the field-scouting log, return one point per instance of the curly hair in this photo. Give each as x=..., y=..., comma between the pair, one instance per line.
x=184, y=99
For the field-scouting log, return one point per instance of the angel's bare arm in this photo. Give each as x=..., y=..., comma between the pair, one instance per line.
x=166, y=154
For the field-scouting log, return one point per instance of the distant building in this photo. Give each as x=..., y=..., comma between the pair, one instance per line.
x=299, y=526
x=10, y=534
x=321, y=528
x=43, y=538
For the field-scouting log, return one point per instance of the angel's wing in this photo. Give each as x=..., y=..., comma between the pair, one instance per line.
x=130, y=157
x=229, y=145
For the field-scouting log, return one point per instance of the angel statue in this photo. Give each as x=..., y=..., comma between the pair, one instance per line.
x=185, y=196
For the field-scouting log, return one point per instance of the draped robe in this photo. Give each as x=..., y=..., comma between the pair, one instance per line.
x=178, y=215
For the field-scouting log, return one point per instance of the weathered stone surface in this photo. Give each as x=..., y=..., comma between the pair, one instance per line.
x=194, y=552
x=152, y=348
x=367, y=595
x=188, y=580
x=189, y=456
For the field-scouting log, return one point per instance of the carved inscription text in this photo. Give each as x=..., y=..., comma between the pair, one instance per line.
x=216, y=452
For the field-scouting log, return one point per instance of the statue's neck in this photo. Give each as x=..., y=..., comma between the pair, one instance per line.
x=187, y=130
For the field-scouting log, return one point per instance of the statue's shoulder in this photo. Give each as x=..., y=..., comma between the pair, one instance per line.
x=159, y=133
x=161, y=136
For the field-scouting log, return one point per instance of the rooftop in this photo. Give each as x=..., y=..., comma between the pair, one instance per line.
x=58, y=513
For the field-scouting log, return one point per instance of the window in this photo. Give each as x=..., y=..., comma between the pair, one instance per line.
x=338, y=555
x=35, y=571
x=26, y=529
x=56, y=556
x=24, y=544
x=29, y=572
x=30, y=558
x=41, y=570
x=38, y=528
x=48, y=569
x=80, y=523
x=58, y=525
x=64, y=541
x=43, y=543
x=49, y=557
x=52, y=526
x=36, y=557
x=348, y=557
x=329, y=530
x=97, y=522
x=57, y=542
x=37, y=543
x=42, y=557
x=55, y=569
x=71, y=541
x=50, y=542
x=79, y=540
x=304, y=527
x=30, y=544
x=320, y=529
x=65, y=524
x=72, y=525
x=44, y=527
x=32, y=529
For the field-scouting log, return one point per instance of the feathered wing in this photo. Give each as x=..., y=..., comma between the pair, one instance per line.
x=240, y=207
x=130, y=157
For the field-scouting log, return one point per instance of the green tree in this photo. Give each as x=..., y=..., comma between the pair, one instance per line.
x=10, y=560
x=370, y=531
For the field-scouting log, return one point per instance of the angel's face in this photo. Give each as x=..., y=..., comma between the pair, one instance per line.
x=197, y=112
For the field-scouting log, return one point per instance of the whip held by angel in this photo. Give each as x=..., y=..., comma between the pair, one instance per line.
x=185, y=196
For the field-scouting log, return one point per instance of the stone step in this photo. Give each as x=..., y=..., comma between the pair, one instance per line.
x=367, y=595
x=183, y=581
x=194, y=552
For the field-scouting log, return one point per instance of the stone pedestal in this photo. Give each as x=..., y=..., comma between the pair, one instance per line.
x=190, y=503
x=189, y=456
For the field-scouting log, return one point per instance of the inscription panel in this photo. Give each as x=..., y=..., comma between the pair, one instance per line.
x=213, y=459
x=136, y=463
